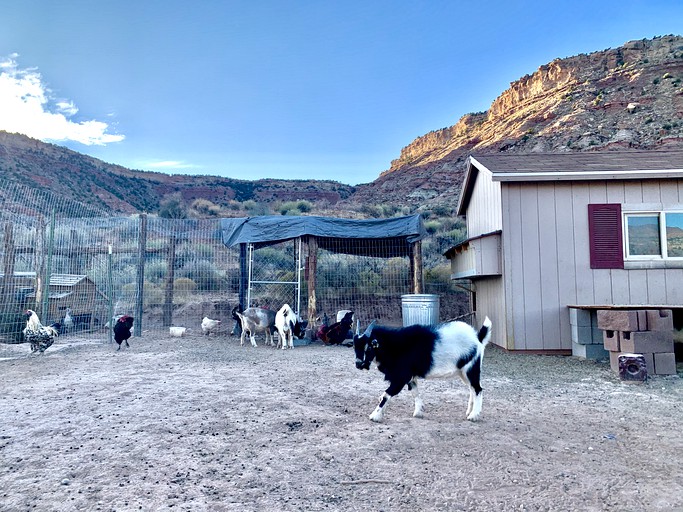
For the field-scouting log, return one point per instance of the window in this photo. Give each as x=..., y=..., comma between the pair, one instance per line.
x=653, y=235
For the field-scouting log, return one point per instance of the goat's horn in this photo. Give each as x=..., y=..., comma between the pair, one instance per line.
x=357, y=327
x=368, y=331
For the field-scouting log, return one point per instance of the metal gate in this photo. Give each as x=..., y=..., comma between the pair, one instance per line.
x=271, y=280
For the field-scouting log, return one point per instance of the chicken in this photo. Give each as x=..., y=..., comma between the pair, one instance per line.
x=122, y=329
x=336, y=333
x=68, y=321
x=323, y=328
x=39, y=336
x=209, y=326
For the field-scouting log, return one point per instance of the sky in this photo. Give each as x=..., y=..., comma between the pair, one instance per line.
x=282, y=89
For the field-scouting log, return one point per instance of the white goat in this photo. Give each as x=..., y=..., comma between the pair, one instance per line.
x=255, y=320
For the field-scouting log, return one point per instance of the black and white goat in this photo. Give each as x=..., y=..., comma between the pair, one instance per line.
x=429, y=352
x=288, y=325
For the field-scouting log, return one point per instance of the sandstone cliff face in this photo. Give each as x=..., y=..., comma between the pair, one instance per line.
x=627, y=97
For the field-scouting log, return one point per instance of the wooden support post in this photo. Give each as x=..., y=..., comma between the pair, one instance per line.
x=140, y=284
x=311, y=270
x=7, y=292
x=416, y=266
x=74, y=255
x=39, y=261
x=170, y=277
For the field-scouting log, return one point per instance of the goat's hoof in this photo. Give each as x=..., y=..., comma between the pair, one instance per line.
x=418, y=414
x=473, y=417
x=377, y=418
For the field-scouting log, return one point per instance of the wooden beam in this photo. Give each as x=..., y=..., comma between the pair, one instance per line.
x=170, y=277
x=416, y=267
x=8, y=265
x=311, y=267
x=140, y=282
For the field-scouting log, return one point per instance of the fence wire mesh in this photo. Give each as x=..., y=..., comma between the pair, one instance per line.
x=79, y=266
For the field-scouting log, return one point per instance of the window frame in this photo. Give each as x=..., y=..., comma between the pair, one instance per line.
x=663, y=243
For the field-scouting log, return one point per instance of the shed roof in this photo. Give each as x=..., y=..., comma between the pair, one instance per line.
x=373, y=237
x=55, y=279
x=571, y=166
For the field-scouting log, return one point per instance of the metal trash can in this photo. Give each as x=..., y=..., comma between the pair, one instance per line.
x=420, y=308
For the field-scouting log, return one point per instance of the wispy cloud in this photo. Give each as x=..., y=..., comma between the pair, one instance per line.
x=169, y=164
x=28, y=106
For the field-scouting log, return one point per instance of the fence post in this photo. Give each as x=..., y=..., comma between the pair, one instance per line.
x=170, y=275
x=48, y=269
x=75, y=263
x=243, y=276
x=140, y=286
x=110, y=286
x=311, y=270
x=416, y=266
x=8, y=264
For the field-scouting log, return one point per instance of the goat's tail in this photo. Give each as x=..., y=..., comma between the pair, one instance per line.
x=484, y=333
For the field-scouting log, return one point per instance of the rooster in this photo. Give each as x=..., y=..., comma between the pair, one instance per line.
x=40, y=337
x=209, y=326
x=122, y=330
x=324, y=326
x=336, y=333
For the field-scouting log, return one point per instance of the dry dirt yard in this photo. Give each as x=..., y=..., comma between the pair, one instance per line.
x=202, y=424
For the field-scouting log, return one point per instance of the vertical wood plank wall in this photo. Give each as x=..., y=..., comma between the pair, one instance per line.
x=484, y=216
x=546, y=257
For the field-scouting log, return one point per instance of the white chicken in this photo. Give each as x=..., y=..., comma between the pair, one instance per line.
x=40, y=337
x=209, y=326
x=68, y=321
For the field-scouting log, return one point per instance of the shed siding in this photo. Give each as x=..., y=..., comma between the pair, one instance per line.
x=491, y=303
x=484, y=213
x=546, y=257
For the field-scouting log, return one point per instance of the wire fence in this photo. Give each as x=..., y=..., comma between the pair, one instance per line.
x=80, y=266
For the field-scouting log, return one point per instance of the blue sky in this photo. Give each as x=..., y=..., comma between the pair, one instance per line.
x=282, y=89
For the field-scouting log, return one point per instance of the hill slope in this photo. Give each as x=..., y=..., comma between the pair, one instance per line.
x=627, y=97
x=94, y=182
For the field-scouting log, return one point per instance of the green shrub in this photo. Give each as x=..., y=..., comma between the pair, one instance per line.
x=184, y=286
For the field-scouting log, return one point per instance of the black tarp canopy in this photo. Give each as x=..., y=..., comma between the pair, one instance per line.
x=375, y=237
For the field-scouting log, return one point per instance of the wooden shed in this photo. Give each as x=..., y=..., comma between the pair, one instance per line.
x=79, y=293
x=549, y=232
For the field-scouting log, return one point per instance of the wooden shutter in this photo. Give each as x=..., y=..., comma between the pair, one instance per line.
x=605, y=232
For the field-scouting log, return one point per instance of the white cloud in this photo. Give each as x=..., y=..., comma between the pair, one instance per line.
x=27, y=107
x=169, y=164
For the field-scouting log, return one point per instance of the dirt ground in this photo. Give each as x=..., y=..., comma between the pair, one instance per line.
x=202, y=424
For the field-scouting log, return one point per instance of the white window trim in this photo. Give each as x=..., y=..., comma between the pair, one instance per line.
x=663, y=256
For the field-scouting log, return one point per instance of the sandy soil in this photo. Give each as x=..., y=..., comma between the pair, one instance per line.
x=203, y=424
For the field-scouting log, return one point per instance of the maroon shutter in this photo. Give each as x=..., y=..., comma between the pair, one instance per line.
x=604, y=227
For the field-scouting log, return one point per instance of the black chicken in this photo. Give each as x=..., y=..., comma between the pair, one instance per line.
x=40, y=337
x=122, y=330
x=336, y=333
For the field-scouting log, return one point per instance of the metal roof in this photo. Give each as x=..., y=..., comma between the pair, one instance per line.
x=571, y=166
x=583, y=163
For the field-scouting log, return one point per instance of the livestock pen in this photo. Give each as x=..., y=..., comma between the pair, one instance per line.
x=173, y=272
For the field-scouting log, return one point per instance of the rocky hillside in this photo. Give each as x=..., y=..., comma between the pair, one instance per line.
x=94, y=182
x=627, y=97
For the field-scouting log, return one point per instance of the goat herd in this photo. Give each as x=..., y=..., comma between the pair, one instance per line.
x=452, y=349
